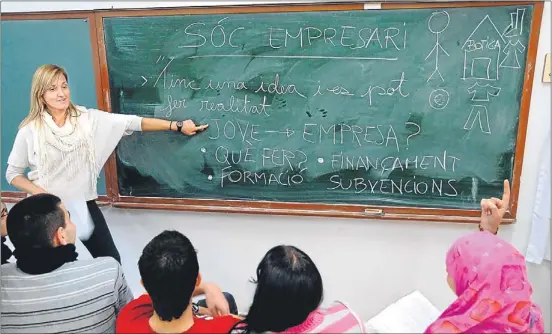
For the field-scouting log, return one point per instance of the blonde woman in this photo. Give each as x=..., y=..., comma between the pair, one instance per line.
x=65, y=147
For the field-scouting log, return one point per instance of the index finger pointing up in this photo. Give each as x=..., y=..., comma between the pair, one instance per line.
x=506, y=194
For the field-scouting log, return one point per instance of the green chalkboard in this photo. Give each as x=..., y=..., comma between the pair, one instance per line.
x=27, y=44
x=406, y=107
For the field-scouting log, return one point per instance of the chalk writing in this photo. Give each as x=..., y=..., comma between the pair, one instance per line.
x=231, y=129
x=230, y=175
x=237, y=105
x=218, y=36
x=345, y=36
x=321, y=107
x=383, y=135
x=172, y=105
x=393, y=87
x=383, y=165
x=400, y=186
x=174, y=82
x=276, y=88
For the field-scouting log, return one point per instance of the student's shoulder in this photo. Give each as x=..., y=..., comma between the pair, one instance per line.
x=8, y=268
x=339, y=310
x=106, y=265
x=141, y=304
x=134, y=316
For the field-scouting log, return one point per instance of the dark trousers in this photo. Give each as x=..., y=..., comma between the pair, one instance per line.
x=229, y=298
x=100, y=242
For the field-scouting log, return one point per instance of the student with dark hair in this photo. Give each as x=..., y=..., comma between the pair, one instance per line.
x=170, y=274
x=47, y=290
x=288, y=297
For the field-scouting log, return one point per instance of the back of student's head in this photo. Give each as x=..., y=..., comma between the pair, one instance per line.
x=34, y=221
x=169, y=270
x=289, y=288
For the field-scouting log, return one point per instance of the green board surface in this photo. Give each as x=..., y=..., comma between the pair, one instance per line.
x=28, y=44
x=416, y=107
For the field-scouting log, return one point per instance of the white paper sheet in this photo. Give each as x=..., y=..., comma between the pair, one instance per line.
x=80, y=216
x=410, y=314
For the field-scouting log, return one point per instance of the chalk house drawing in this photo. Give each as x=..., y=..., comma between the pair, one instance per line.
x=482, y=51
x=437, y=23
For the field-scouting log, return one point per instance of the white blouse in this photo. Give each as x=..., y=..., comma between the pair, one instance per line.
x=106, y=129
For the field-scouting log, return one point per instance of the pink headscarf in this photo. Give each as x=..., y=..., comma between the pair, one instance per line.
x=494, y=295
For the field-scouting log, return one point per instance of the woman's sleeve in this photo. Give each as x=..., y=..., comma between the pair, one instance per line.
x=129, y=123
x=18, y=159
x=109, y=128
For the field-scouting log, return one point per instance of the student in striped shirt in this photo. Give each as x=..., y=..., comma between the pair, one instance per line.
x=47, y=290
x=288, y=297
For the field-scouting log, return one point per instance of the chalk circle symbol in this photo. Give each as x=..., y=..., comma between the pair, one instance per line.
x=439, y=99
x=438, y=22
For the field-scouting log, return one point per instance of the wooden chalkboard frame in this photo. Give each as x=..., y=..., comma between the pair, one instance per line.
x=15, y=196
x=287, y=208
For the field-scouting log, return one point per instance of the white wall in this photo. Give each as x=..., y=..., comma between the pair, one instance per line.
x=367, y=263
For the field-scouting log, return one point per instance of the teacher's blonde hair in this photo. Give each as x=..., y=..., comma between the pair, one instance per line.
x=44, y=76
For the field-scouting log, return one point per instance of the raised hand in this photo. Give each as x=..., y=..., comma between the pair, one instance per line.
x=494, y=209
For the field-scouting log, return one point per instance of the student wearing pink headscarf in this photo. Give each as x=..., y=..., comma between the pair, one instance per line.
x=489, y=277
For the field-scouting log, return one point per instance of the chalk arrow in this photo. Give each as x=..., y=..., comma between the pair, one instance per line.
x=288, y=132
x=145, y=80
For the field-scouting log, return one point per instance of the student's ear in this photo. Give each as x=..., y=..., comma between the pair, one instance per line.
x=60, y=239
x=142, y=283
x=198, y=280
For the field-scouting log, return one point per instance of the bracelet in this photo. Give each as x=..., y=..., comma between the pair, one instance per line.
x=195, y=309
x=481, y=229
x=170, y=126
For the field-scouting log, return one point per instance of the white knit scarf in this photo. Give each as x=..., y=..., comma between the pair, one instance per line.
x=75, y=143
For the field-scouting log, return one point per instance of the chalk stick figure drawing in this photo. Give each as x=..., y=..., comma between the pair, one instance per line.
x=478, y=113
x=482, y=51
x=512, y=33
x=482, y=93
x=437, y=23
x=439, y=99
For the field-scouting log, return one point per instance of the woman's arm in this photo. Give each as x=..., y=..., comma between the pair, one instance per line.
x=188, y=127
x=18, y=162
x=24, y=184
